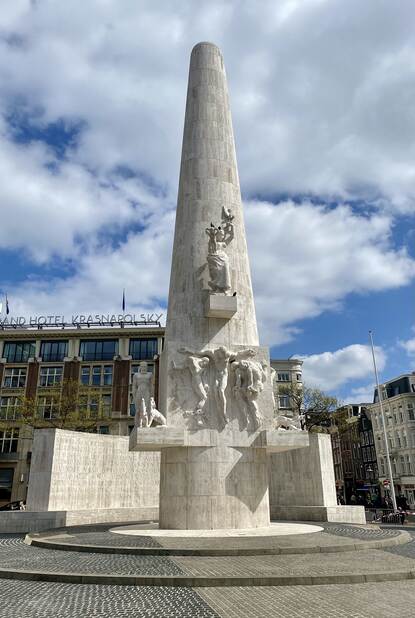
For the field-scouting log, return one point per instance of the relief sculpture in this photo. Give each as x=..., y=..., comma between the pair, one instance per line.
x=220, y=358
x=217, y=258
x=249, y=379
x=194, y=366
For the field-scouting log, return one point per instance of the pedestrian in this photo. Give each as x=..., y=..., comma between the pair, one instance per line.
x=402, y=515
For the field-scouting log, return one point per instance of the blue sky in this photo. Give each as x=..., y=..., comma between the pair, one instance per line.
x=91, y=115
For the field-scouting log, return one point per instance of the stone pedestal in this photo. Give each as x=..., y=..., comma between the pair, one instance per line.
x=213, y=487
x=205, y=483
x=302, y=485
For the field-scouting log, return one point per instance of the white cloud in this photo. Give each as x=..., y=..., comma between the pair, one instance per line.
x=408, y=346
x=141, y=265
x=307, y=258
x=322, y=97
x=361, y=394
x=331, y=370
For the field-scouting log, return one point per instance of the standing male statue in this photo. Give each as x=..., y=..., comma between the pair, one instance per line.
x=142, y=389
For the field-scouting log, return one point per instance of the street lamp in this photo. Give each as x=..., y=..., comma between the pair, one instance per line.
x=392, y=486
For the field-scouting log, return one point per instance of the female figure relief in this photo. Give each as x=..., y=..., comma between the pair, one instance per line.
x=217, y=259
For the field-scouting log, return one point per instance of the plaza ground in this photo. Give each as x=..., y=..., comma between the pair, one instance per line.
x=47, y=599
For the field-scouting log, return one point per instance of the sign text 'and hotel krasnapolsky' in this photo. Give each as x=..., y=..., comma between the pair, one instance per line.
x=82, y=319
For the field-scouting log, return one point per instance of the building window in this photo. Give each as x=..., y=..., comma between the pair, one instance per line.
x=104, y=429
x=106, y=405
x=6, y=483
x=19, y=351
x=49, y=376
x=382, y=467
x=283, y=377
x=402, y=463
x=96, y=375
x=96, y=350
x=9, y=408
x=48, y=407
x=408, y=465
x=299, y=377
x=8, y=440
x=52, y=351
x=143, y=349
x=411, y=415
x=92, y=404
x=15, y=377
x=283, y=401
x=404, y=441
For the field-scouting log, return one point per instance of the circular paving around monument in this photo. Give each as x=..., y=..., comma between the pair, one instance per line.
x=19, y=560
x=107, y=539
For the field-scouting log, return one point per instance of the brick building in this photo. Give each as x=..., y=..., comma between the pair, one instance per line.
x=33, y=359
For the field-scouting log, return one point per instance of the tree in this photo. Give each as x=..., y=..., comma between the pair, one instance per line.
x=62, y=406
x=311, y=404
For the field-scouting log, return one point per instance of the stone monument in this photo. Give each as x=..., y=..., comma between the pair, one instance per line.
x=216, y=387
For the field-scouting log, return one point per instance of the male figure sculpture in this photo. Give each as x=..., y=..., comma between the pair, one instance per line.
x=249, y=382
x=196, y=367
x=141, y=389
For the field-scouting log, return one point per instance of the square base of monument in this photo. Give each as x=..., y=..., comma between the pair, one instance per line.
x=216, y=487
x=339, y=514
x=220, y=306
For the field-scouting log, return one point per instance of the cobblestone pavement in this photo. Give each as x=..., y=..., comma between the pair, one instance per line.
x=407, y=550
x=21, y=599
x=364, y=533
x=386, y=600
x=15, y=554
x=366, y=561
x=334, y=534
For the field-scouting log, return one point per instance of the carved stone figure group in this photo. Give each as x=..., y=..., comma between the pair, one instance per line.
x=248, y=375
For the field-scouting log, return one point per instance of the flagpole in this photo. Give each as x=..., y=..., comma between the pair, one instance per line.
x=388, y=459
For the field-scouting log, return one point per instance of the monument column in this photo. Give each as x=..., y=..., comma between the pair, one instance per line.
x=215, y=379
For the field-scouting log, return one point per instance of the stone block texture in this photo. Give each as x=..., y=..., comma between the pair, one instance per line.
x=73, y=471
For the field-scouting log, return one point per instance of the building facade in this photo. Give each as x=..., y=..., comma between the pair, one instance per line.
x=398, y=398
x=288, y=374
x=354, y=455
x=36, y=360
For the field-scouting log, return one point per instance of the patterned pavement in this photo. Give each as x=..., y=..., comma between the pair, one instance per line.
x=31, y=599
x=21, y=599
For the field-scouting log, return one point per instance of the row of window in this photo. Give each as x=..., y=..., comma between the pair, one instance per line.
x=90, y=350
x=405, y=466
x=91, y=375
x=285, y=376
x=48, y=406
x=395, y=416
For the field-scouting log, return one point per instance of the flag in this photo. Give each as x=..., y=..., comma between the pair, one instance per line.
x=123, y=300
x=7, y=306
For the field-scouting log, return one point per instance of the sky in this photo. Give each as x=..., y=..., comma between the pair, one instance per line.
x=92, y=100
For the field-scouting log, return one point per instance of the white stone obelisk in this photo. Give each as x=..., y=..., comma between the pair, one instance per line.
x=215, y=380
x=209, y=183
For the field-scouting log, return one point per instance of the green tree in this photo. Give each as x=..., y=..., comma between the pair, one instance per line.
x=63, y=406
x=311, y=404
